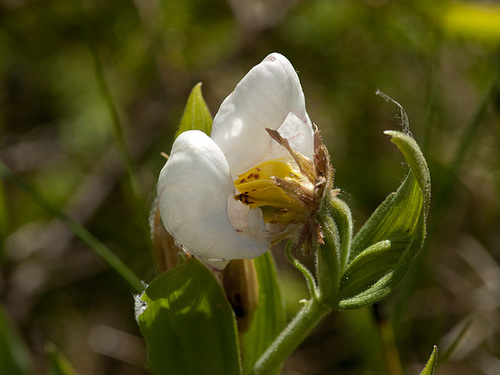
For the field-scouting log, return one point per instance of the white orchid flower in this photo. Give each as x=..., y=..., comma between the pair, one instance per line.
x=258, y=178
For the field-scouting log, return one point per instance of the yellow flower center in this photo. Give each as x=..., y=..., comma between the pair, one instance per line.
x=277, y=188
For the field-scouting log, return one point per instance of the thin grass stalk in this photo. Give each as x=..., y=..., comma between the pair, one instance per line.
x=119, y=137
x=79, y=230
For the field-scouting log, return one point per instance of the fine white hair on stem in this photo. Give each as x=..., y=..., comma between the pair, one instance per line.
x=405, y=123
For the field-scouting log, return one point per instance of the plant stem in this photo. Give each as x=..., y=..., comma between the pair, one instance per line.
x=341, y=215
x=335, y=219
x=311, y=283
x=291, y=337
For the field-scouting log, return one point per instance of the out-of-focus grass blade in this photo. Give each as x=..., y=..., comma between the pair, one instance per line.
x=14, y=356
x=102, y=250
x=58, y=363
x=135, y=201
x=451, y=349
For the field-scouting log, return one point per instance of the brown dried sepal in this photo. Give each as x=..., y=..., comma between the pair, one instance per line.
x=239, y=280
x=319, y=172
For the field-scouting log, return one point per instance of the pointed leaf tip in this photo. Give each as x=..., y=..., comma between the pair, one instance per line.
x=416, y=161
x=196, y=114
x=431, y=365
x=385, y=246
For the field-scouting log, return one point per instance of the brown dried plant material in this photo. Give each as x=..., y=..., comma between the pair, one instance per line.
x=166, y=252
x=239, y=280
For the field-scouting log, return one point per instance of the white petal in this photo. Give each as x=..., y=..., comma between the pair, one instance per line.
x=262, y=99
x=244, y=219
x=193, y=191
x=300, y=135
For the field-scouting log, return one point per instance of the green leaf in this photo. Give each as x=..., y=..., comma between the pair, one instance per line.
x=385, y=246
x=14, y=356
x=269, y=318
x=431, y=365
x=58, y=364
x=188, y=324
x=196, y=114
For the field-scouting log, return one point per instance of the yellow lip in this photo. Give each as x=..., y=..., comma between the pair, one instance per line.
x=260, y=187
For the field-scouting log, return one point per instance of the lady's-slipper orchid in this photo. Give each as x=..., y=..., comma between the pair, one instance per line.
x=259, y=177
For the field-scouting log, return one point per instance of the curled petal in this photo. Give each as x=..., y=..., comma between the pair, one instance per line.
x=264, y=98
x=193, y=191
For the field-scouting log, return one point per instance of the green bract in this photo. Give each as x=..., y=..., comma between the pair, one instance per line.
x=196, y=114
x=364, y=272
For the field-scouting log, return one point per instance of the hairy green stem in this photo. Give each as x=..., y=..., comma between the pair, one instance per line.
x=341, y=214
x=291, y=337
x=335, y=219
x=311, y=283
x=328, y=261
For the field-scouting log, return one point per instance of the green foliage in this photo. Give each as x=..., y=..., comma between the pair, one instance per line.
x=352, y=276
x=431, y=365
x=196, y=114
x=14, y=357
x=188, y=317
x=269, y=318
x=188, y=324
x=385, y=246
x=58, y=364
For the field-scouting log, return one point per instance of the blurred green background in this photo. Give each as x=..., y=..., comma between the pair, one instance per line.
x=70, y=71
